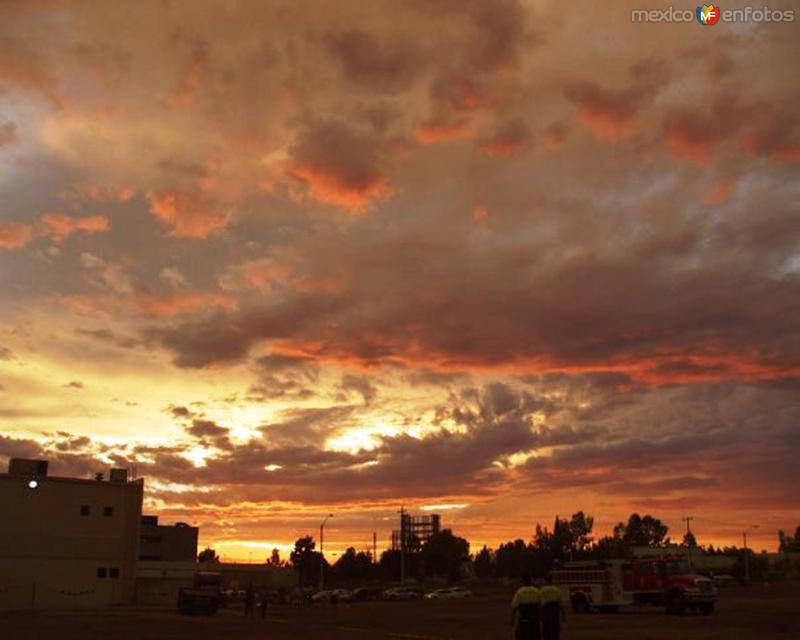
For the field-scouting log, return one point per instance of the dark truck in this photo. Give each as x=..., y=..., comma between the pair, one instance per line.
x=203, y=597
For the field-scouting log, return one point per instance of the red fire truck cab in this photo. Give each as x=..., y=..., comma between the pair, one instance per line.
x=668, y=581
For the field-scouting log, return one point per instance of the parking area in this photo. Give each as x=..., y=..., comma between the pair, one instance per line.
x=758, y=613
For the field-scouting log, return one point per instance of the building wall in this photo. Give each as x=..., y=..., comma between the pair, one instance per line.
x=261, y=576
x=176, y=543
x=158, y=583
x=54, y=553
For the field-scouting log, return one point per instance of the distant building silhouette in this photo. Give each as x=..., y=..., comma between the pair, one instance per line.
x=175, y=543
x=415, y=531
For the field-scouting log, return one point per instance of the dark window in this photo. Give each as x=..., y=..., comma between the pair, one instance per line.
x=113, y=572
x=85, y=510
x=101, y=572
x=108, y=511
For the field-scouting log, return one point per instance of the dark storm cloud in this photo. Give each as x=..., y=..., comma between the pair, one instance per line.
x=568, y=314
x=383, y=66
x=360, y=385
x=209, y=433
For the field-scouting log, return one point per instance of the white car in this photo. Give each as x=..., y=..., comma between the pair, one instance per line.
x=401, y=593
x=321, y=596
x=451, y=593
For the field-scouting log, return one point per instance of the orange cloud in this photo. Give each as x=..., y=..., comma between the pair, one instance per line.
x=183, y=95
x=719, y=194
x=480, y=213
x=507, y=141
x=177, y=303
x=609, y=115
x=190, y=215
x=15, y=235
x=57, y=226
x=259, y=274
x=437, y=130
x=335, y=165
x=683, y=145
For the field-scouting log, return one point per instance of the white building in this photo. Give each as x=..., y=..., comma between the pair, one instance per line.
x=67, y=542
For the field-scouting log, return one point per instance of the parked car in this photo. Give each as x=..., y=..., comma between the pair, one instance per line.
x=341, y=595
x=402, y=593
x=362, y=594
x=451, y=593
x=724, y=580
x=322, y=596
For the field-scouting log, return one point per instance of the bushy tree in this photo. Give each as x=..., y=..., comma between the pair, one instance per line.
x=642, y=531
x=444, y=554
x=208, y=555
x=352, y=566
x=306, y=561
x=484, y=563
x=275, y=559
x=789, y=543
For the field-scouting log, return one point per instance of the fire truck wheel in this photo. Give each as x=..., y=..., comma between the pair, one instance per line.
x=580, y=604
x=676, y=605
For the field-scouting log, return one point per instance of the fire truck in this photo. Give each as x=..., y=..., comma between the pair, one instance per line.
x=668, y=581
x=204, y=596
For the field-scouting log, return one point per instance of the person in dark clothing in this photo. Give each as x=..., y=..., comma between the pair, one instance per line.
x=249, y=601
x=525, y=611
x=553, y=610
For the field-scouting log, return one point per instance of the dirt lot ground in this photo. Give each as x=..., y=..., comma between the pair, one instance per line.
x=767, y=613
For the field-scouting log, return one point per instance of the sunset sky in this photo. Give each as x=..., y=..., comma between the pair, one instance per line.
x=502, y=260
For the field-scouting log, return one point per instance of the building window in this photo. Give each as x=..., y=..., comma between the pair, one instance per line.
x=108, y=511
x=101, y=572
x=85, y=510
x=113, y=572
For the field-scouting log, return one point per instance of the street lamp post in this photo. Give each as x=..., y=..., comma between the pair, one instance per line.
x=321, y=549
x=747, y=555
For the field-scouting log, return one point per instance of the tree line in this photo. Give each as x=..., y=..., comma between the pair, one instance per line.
x=446, y=556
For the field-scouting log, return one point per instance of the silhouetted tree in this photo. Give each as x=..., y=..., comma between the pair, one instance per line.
x=275, y=559
x=207, y=555
x=444, y=554
x=789, y=543
x=306, y=561
x=516, y=558
x=353, y=566
x=642, y=531
x=689, y=540
x=484, y=563
x=389, y=565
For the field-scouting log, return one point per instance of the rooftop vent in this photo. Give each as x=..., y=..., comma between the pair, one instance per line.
x=118, y=475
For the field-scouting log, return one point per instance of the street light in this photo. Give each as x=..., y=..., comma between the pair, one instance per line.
x=321, y=556
x=747, y=555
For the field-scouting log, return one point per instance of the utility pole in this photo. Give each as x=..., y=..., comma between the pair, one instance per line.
x=747, y=555
x=374, y=547
x=321, y=555
x=687, y=520
x=402, y=545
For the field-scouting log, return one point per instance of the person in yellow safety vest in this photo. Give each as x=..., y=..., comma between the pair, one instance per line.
x=525, y=611
x=553, y=610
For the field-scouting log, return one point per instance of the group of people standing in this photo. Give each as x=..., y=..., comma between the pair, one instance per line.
x=537, y=613
x=250, y=599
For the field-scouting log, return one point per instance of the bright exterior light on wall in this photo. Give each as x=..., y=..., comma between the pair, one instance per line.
x=33, y=484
